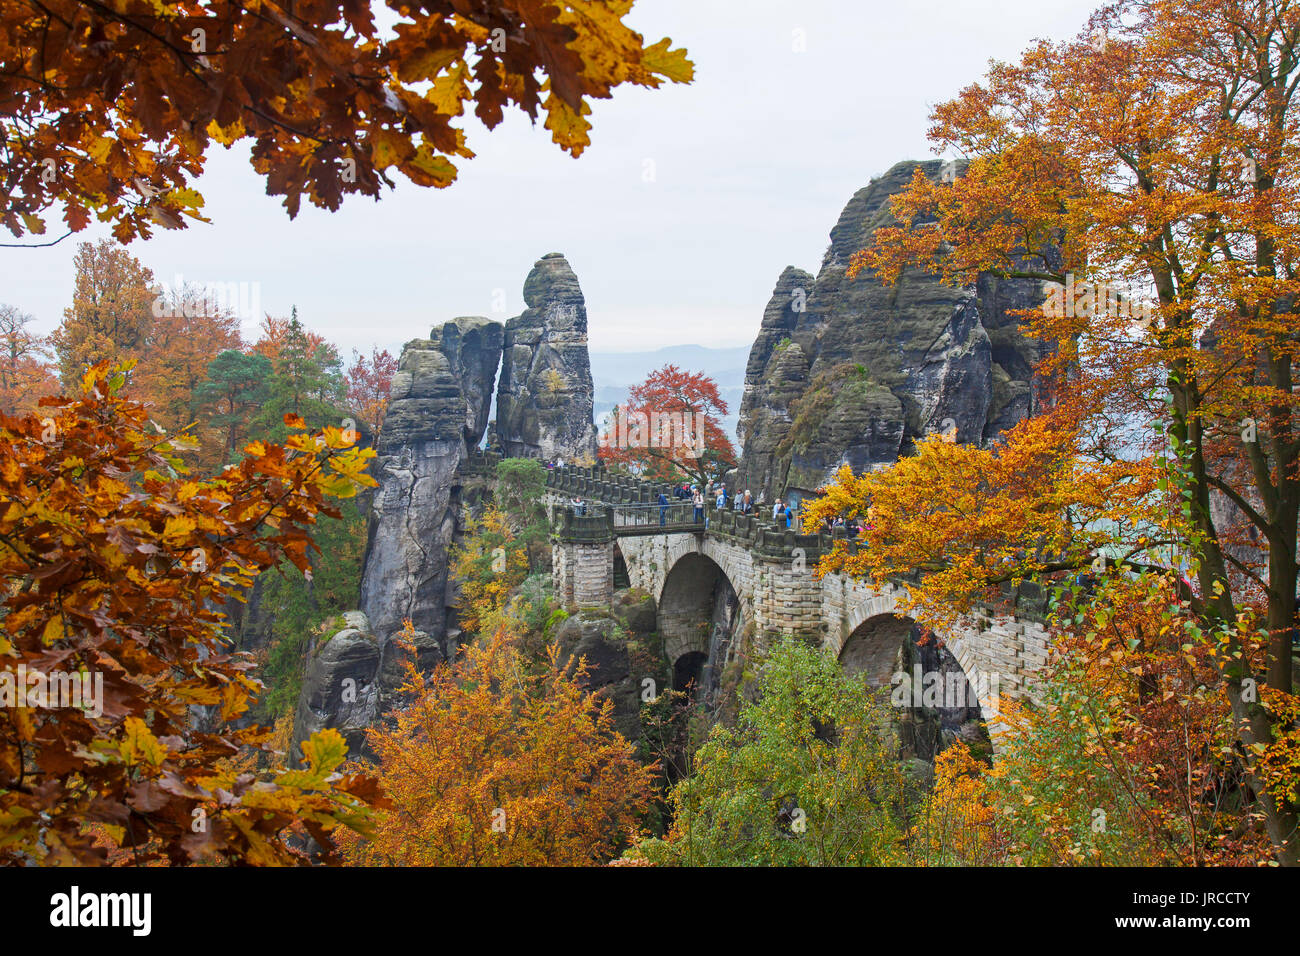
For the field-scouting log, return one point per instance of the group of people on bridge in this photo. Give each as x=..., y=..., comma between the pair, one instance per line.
x=741, y=503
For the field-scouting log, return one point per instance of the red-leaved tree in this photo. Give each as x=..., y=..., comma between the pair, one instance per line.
x=669, y=428
x=369, y=380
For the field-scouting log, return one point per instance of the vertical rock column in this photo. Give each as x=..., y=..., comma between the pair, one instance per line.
x=436, y=416
x=438, y=410
x=545, y=396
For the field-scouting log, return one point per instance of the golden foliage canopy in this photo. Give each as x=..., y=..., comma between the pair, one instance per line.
x=1148, y=170
x=496, y=763
x=115, y=561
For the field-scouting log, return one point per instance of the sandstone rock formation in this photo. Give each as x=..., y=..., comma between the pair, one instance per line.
x=438, y=412
x=544, y=399
x=339, y=687
x=780, y=319
x=619, y=649
x=436, y=417
x=851, y=371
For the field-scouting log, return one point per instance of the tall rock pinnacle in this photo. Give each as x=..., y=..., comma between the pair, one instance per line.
x=436, y=416
x=545, y=395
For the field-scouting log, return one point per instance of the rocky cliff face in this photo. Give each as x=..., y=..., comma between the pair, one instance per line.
x=620, y=650
x=544, y=399
x=851, y=371
x=437, y=414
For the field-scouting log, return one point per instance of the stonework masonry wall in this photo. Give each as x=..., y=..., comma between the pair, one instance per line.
x=582, y=573
x=999, y=653
x=771, y=571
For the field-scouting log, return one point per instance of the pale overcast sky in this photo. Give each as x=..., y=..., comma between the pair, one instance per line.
x=678, y=219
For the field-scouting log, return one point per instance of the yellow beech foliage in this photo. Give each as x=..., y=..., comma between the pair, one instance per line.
x=495, y=763
x=25, y=375
x=114, y=563
x=956, y=824
x=969, y=518
x=489, y=564
x=1127, y=758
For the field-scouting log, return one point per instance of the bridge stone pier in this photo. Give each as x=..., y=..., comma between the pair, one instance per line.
x=768, y=573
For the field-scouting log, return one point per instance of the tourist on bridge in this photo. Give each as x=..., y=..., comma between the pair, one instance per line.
x=698, y=501
x=663, y=509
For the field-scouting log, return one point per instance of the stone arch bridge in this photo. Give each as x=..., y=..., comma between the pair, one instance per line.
x=766, y=573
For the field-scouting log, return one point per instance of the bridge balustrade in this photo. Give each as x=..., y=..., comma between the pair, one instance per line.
x=675, y=514
x=595, y=524
x=622, y=502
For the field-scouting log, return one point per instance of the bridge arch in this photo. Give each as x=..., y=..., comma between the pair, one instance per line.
x=874, y=646
x=621, y=577
x=933, y=697
x=686, y=604
x=863, y=603
x=699, y=611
